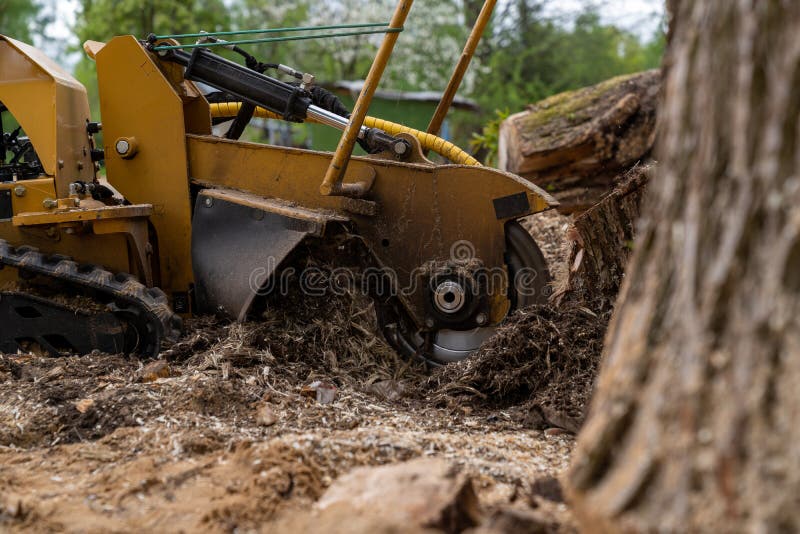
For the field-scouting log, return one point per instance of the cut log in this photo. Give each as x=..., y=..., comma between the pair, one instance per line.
x=575, y=144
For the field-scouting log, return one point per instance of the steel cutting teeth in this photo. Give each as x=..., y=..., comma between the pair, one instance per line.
x=149, y=305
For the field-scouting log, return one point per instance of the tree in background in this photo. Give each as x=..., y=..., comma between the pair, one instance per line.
x=532, y=56
x=103, y=19
x=22, y=19
x=528, y=55
x=595, y=51
x=100, y=20
x=426, y=50
x=256, y=14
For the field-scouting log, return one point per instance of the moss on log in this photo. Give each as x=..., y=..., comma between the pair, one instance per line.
x=575, y=144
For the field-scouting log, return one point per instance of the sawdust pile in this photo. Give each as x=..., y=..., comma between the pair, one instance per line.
x=542, y=355
x=224, y=438
x=302, y=338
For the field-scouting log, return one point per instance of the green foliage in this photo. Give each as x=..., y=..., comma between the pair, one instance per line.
x=526, y=55
x=486, y=142
x=103, y=19
x=532, y=57
x=22, y=19
x=100, y=20
x=424, y=54
x=256, y=14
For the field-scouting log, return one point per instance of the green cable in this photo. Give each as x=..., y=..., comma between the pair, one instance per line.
x=274, y=30
x=275, y=39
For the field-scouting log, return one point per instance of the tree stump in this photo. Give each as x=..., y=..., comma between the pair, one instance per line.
x=602, y=239
x=575, y=144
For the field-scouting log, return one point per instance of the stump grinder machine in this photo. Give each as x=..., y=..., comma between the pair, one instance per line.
x=187, y=222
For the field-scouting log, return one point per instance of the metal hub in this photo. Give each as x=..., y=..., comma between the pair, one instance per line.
x=449, y=297
x=529, y=280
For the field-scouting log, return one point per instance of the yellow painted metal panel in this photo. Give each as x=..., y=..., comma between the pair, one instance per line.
x=52, y=108
x=138, y=102
x=29, y=195
x=423, y=211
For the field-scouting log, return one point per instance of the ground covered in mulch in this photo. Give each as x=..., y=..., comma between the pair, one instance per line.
x=230, y=433
x=542, y=356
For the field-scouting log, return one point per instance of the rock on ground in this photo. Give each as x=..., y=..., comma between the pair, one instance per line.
x=422, y=493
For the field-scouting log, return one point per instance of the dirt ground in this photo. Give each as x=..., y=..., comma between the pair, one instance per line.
x=227, y=434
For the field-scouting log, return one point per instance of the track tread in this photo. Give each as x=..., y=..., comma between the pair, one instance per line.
x=121, y=287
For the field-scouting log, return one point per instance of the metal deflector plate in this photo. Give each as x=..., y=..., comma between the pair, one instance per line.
x=236, y=247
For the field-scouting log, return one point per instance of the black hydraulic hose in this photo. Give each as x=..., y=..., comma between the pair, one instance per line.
x=12, y=138
x=8, y=144
x=252, y=63
x=241, y=121
x=20, y=152
x=246, y=111
x=326, y=100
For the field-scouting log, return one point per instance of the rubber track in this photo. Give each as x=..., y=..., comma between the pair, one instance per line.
x=121, y=287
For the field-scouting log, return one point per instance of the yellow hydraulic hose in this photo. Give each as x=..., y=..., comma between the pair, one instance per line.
x=428, y=141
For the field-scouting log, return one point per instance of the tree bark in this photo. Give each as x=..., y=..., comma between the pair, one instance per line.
x=602, y=240
x=575, y=144
x=693, y=425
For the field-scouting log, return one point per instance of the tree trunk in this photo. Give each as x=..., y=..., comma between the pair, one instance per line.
x=693, y=426
x=575, y=144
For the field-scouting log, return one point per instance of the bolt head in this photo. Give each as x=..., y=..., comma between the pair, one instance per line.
x=481, y=318
x=122, y=147
x=208, y=202
x=429, y=322
x=20, y=191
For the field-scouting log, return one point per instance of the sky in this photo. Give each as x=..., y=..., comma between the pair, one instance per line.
x=58, y=33
x=638, y=16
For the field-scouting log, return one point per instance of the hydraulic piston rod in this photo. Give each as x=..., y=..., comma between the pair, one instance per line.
x=373, y=136
x=290, y=102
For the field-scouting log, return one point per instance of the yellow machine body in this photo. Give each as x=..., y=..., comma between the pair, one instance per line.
x=52, y=108
x=161, y=157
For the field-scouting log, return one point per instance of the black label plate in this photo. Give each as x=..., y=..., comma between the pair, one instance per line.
x=511, y=206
